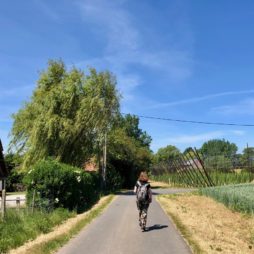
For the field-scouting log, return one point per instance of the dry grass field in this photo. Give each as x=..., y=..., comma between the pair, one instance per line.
x=209, y=226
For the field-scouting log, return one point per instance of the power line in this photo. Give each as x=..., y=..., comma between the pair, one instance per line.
x=191, y=121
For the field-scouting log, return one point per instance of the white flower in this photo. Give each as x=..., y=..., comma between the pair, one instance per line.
x=56, y=200
x=78, y=178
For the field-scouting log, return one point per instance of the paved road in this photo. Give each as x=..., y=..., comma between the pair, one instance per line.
x=116, y=231
x=11, y=200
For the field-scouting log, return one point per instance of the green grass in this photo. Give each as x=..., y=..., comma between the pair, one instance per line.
x=237, y=197
x=20, y=226
x=54, y=244
x=218, y=178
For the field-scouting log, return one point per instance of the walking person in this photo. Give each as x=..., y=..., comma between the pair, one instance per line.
x=144, y=198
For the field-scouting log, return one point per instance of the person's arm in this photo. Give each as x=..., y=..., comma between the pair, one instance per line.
x=135, y=187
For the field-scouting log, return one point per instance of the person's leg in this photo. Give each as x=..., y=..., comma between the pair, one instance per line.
x=145, y=210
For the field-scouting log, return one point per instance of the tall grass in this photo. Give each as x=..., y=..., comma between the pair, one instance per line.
x=20, y=226
x=238, y=197
x=218, y=178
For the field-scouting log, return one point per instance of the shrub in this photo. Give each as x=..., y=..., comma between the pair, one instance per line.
x=52, y=184
x=14, y=181
x=114, y=180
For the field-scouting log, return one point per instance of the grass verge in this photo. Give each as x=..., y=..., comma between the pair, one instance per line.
x=185, y=232
x=208, y=226
x=49, y=243
x=23, y=225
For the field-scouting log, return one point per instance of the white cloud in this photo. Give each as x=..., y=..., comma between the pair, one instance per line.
x=245, y=107
x=238, y=132
x=194, y=139
x=203, y=98
x=189, y=139
x=49, y=12
x=125, y=46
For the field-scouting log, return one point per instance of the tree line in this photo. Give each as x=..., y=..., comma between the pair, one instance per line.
x=68, y=116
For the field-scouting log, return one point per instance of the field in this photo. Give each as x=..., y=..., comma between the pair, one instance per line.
x=238, y=197
x=218, y=178
x=209, y=226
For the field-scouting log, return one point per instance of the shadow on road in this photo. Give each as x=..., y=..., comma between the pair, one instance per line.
x=125, y=193
x=156, y=227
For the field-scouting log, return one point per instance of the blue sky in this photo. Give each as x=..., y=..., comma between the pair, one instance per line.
x=191, y=60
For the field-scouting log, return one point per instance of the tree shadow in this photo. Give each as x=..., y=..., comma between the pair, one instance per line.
x=156, y=227
x=125, y=193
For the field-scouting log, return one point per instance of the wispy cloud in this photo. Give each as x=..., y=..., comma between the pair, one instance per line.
x=125, y=46
x=195, y=139
x=188, y=139
x=245, y=107
x=48, y=11
x=16, y=91
x=203, y=98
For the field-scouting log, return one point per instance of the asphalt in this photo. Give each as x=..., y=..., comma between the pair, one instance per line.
x=116, y=231
x=11, y=200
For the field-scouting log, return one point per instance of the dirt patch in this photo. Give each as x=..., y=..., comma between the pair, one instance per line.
x=57, y=231
x=211, y=225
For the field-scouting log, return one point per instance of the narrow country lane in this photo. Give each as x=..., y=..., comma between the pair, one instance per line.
x=116, y=231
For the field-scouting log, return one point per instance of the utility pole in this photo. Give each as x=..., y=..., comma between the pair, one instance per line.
x=104, y=159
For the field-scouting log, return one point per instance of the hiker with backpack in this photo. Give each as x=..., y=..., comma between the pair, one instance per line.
x=144, y=198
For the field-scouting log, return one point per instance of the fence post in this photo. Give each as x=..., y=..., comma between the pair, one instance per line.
x=3, y=204
x=33, y=201
x=18, y=203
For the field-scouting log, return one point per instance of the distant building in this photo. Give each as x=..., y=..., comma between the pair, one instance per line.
x=193, y=163
x=90, y=166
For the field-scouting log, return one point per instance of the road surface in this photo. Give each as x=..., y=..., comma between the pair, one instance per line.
x=116, y=231
x=11, y=200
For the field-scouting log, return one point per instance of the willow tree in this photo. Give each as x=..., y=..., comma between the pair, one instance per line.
x=66, y=114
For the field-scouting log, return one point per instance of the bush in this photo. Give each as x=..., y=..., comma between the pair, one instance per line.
x=15, y=181
x=52, y=184
x=114, y=180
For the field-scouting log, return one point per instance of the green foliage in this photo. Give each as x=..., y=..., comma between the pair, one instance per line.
x=237, y=197
x=66, y=115
x=218, y=162
x=20, y=226
x=218, y=178
x=15, y=181
x=130, y=123
x=114, y=179
x=128, y=152
x=15, y=177
x=55, y=184
x=166, y=154
x=222, y=178
x=248, y=157
x=219, y=147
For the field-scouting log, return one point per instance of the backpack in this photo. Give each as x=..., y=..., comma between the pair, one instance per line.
x=142, y=192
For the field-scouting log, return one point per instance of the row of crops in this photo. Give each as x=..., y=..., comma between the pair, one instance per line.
x=218, y=178
x=239, y=197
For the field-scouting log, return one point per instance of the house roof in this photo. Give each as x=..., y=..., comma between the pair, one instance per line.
x=3, y=169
